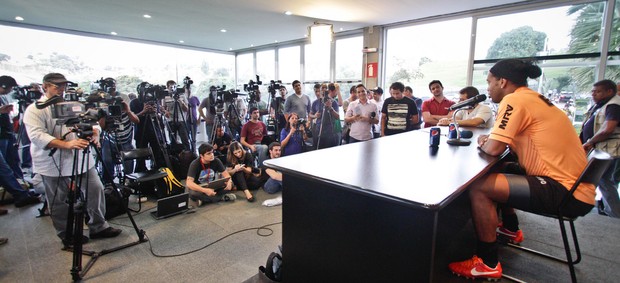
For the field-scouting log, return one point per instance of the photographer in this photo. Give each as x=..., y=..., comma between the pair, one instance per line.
x=8, y=142
x=276, y=109
x=117, y=129
x=293, y=136
x=175, y=106
x=148, y=130
x=323, y=133
x=207, y=112
x=7, y=177
x=34, y=93
x=192, y=115
x=56, y=171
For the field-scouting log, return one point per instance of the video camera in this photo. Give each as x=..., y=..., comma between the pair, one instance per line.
x=149, y=93
x=106, y=84
x=25, y=95
x=274, y=86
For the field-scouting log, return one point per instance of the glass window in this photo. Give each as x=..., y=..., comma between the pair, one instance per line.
x=317, y=58
x=612, y=70
x=416, y=55
x=349, y=58
x=245, y=69
x=533, y=33
x=289, y=66
x=129, y=63
x=265, y=65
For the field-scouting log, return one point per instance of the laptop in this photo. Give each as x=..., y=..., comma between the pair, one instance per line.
x=170, y=206
x=216, y=185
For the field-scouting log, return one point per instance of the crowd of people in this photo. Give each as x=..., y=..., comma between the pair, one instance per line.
x=526, y=122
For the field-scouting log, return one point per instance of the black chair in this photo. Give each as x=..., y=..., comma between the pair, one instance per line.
x=141, y=177
x=598, y=161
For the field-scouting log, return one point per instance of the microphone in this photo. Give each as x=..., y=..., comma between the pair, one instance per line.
x=465, y=134
x=468, y=102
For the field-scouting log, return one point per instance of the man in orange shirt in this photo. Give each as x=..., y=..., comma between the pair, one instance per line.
x=549, y=151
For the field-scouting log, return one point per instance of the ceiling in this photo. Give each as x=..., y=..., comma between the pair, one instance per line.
x=198, y=23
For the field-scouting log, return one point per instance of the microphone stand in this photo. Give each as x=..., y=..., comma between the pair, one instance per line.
x=457, y=141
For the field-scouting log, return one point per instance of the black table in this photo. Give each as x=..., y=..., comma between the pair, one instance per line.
x=371, y=211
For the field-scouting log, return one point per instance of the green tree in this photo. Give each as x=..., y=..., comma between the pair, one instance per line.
x=563, y=82
x=520, y=42
x=4, y=57
x=407, y=74
x=586, y=38
x=127, y=84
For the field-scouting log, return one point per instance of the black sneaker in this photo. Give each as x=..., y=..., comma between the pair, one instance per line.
x=109, y=232
x=26, y=201
x=69, y=242
x=600, y=206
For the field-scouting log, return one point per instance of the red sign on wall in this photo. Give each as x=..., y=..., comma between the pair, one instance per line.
x=371, y=70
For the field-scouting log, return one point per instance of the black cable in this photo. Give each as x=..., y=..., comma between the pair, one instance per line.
x=258, y=232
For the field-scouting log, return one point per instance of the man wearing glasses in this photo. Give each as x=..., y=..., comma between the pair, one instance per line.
x=56, y=172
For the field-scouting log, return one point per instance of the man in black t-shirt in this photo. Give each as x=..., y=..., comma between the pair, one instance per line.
x=399, y=114
x=204, y=169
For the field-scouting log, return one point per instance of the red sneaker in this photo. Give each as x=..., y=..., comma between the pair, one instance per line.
x=512, y=237
x=474, y=268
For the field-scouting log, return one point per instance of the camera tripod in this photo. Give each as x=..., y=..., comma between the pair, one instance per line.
x=186, y=139
x=77, y=200
x=324, y=119
x=153, y=120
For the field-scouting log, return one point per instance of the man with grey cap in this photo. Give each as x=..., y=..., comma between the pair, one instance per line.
x=56, y=171
x=7, y=175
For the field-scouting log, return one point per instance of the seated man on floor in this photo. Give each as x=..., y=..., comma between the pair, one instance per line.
x=547, y=148
x=272, y=179
x=204, y=169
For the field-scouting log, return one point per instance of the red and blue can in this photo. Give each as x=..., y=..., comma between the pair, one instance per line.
x=452, y=131
x=434, y=138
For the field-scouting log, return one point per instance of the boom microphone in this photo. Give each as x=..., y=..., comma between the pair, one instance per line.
x=468, y=102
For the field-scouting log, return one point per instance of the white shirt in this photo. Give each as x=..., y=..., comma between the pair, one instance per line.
x=361, y=130
x=481, y=111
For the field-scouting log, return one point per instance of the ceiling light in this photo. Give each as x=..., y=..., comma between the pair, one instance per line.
x=276, y=41
x=320, y=32
x=114, y=33
x=230, y=48
x=147, y=16
x=18, y=18
x=288, y=13
x=223, y=30
x=341, y=29
x=251, y=45
x=181, y=41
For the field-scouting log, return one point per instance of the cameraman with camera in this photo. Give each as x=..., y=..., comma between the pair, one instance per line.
x=293, y=135
x=149, y=131
x=117, y=125
x=7, y=176
x=56, y=172
x=324, y=112
x=176, y=106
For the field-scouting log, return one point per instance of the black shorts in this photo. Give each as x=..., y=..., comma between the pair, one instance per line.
x=541, y=194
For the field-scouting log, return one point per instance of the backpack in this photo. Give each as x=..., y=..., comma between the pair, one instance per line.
x=273, y=267
x=169, y=185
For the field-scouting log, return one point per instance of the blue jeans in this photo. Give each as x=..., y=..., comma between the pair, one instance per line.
x=9, y=151
x=272, y=186
x=109, y=156
x=608, y=186
x=8, y=181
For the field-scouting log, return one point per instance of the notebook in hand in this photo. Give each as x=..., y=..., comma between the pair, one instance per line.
x=216, y=185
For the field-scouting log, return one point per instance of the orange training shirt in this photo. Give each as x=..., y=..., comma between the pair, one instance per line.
x=543, y=138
